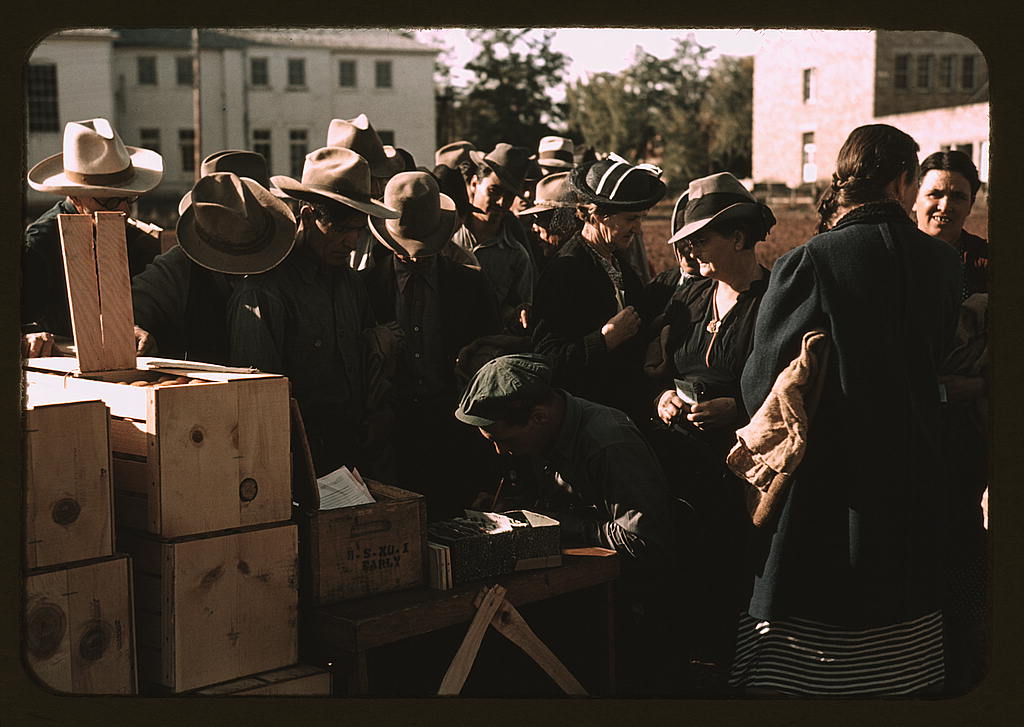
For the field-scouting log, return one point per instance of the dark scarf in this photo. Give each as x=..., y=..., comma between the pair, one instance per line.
x=874, y=212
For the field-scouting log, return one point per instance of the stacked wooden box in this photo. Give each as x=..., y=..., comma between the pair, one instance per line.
x=201, y=475
x=78, y=620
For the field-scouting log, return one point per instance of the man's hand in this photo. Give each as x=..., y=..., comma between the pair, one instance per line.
x=713, y=413
x=670, y=406
x=36, y=345
x=621, y=327
x=145, y=342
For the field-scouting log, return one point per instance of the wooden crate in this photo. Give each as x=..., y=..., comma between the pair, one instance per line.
x=300, y=679
x=215, y=607
x=355, y=551
x=68, y=503
x=78, y=629
x=190, y=459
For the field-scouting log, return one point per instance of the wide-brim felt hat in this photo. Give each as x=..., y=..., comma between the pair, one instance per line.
x=556, y=152
x=510, y=163
x=94, y=162
x=335, y=174
x=450, y=155
x=240, y=162
x=716, y=198
x=359, y=135
x=235, y=225
x=617, y=184
x=427, y=218
x=552, y=192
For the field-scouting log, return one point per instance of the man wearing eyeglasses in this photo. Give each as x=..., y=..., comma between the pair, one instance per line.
x=95, y=172
x=306, y=318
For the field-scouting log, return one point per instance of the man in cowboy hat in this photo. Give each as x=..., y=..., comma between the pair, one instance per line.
x=441, y=306
x=385, y=162
x=95, y=172
x=305, y=318
x=180, y=299
x=555, y=154
x=552, y=217
x=453, y=154
x=495, y=236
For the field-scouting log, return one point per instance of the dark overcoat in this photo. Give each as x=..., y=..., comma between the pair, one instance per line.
x=858, y=539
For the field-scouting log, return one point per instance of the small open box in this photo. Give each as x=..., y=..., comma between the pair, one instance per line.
x=355, y=551
x=209, y=455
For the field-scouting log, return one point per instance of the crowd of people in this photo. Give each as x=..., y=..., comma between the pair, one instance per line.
x=790, y=463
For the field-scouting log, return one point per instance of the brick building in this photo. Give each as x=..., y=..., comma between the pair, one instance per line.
x=812, y=87
x=273, y=90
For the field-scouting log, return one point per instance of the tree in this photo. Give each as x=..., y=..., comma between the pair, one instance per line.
x=508, y=100
x=726, y=115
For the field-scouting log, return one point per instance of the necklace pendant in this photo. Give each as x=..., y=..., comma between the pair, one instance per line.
x=714, y=325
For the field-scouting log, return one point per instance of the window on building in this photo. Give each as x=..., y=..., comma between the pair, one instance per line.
x=261, y=144
x=967, y=73
x=297, y=72
x=183, y=70
x=947, y=72
x=901, y=72
x=259, y=72
x=187, y=144
x=386, y=137
x=383, y=74
x=924, y=71
x=809, y=168
x=146, y=66
x=810, y=84
x=967, y=149
x=298, y=148
x=150, y=139
x=41, y=90
x=347, y=74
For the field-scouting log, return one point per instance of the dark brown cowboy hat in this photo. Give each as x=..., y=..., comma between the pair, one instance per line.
x=617, y=184
x=510, y=163
x=451, y=154
x=241, y=163
x=427, y=217
x=715, y=198
x=335, y=174
x=235, y=225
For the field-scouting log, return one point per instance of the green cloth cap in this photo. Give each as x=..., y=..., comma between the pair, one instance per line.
x=502, y=385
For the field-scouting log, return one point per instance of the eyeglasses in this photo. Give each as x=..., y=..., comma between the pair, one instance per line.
x=113, y=203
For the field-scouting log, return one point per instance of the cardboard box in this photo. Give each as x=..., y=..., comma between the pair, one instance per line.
x=78, y=632
x=215, y=607
x=187, y=459
x=298, y=680
x=68, y=502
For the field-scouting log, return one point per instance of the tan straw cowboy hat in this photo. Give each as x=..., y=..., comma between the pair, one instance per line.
x=358, y=135
x=427, y=217
x=96, y=163
x=552, y=192
x=714, y=198
x=234, y=225
x=556, y=152
x=337, y=174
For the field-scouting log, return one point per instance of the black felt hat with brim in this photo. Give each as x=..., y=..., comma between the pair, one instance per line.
x=716, y=198
x=615, y=183
x=426, y=219
x=241, y=163
x=503, y=386
x=511, y=164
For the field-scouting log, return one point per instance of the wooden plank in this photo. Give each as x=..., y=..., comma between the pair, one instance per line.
x=263, y=476
x=80, y=630
x=235, y=606
x=131, y=475
x=117, y=321
x=131, y=510
x=124, y=401
x=300, y=679
x=462, y=662
x=128, y=436
x=68, y=497
x=76, y=238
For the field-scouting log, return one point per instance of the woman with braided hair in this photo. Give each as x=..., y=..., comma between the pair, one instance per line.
x=847, y=592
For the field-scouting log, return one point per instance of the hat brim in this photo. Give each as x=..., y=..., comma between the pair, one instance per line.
x=737, y=209
x=473, y=420
x=555, y=164
x=578, y=184
x=49, y=176
x=186, y=200
x=298, y=190
x=545, y=207
x=280, y=243
x=480, y=157
x=429, y=244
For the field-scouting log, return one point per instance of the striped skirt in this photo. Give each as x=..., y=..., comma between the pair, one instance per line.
x=802, y=657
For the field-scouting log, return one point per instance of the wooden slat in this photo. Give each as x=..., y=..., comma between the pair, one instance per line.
x=68, y=497
x=263, y=450
x=458, y=670
x=123, y=400
x=76, y=237
x=292, y=680
x=115, y=293
x=128, y=436
x=131, y=475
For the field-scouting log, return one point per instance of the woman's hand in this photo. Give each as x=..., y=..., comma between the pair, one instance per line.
x=670, y=406
x=621, y=327
x=713, y=413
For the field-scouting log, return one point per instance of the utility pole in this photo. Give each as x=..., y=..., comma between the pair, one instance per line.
x=197, y=113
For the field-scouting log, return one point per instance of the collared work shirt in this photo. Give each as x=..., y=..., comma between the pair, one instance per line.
x=418, y=308
x=505, y=262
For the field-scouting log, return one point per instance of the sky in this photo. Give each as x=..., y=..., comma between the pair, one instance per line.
x=607, y=49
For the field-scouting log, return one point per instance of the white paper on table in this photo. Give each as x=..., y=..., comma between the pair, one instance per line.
x=342, y=489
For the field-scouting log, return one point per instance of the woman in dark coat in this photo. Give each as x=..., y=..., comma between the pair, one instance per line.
x=847, y=596
x=584, y=316
x=710, y=326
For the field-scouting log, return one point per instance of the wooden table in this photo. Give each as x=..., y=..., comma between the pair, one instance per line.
x=344, y=632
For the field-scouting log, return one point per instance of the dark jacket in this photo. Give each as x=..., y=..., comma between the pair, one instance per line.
x=974, y=257
x=859, y=536
x=469, y=308
x=573, y=301
x=44, y=290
